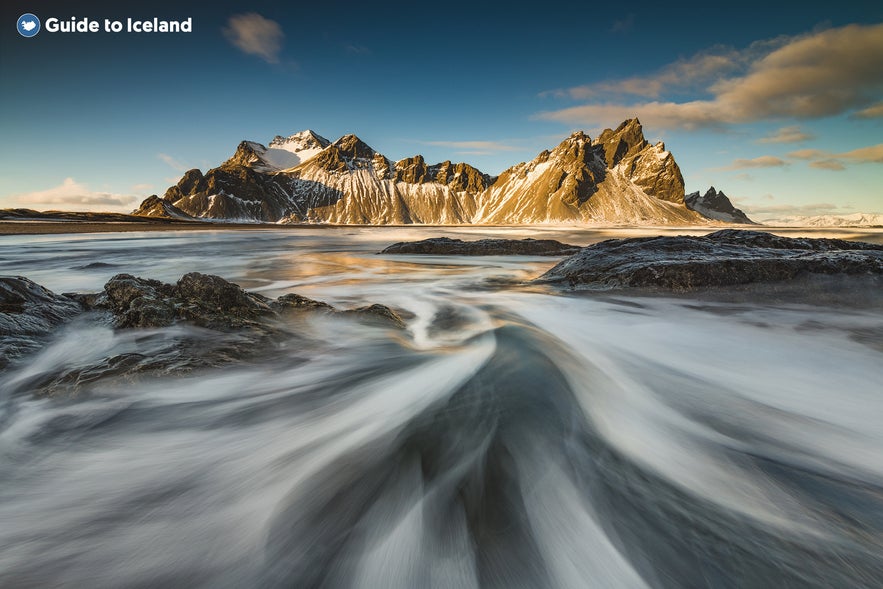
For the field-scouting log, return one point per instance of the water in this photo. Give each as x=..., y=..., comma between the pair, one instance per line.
x=511, y=437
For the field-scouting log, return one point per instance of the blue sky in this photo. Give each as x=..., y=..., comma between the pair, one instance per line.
x=782, y=110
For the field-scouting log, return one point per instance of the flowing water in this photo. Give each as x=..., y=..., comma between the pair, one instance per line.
x=511, y=437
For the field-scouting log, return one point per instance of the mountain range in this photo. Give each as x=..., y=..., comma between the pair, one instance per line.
x=616, y=178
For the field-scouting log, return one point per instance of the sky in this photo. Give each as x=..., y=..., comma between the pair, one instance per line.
x=781, y=109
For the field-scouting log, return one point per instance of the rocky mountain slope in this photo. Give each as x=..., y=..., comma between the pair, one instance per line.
x=619, y=177
x=716, y=205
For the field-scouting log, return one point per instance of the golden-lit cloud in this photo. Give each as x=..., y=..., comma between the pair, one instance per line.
x=764, y=161
x=792, y=134
x=826, y=160
x=872, y=112
x=255, y=35
x=828, y=165
x=71, y=194
x=820, y=74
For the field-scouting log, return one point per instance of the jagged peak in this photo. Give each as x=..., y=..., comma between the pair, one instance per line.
x=307, y=138
x=351, y=146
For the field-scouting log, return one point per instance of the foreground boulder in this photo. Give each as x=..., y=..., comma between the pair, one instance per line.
x=483, y=247
x=210, y=301
x=28, y=312
x=724, y=258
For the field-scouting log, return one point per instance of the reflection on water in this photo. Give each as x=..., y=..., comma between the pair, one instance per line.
x=507, y=439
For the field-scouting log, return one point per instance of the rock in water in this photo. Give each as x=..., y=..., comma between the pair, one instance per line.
x=28, y=312
x=724, y=258
x=483, y=247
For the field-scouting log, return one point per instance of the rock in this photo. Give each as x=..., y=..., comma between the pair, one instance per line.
x=378, y=315
x=28, y=312
x=295, y=302
x=483, y=247
x=724, y=258
x=715, y=205
x=139, y=302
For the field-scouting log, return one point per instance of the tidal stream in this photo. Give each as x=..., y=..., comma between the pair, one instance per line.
x=511, y=437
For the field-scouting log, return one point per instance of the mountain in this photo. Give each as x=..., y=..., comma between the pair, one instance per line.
x=851, y=220
x=617, y=178
x=716, y=205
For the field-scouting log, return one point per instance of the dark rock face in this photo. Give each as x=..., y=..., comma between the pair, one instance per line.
x=295, y=302
x=724, y=258
x=483, y=247
x=207, y=301
x=377, y=315
x=28, y=312
x=154, y=206
x=716, y=205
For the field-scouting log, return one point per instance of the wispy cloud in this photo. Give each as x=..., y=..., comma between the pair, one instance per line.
x=144, y=187
x=71, y=194
x=764, y=161
x=826, y=160
x=172, y=162
x=835, y=165
x=474, y=147
x=872, y=112
x=762, y=212
x=792, y=134
x=624, y=25
x=255, y=35
x=819, y=74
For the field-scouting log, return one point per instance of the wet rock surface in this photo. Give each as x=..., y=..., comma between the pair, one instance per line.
x=28, y=312
x=213, y=322
x=483, y=247
x=724, y=258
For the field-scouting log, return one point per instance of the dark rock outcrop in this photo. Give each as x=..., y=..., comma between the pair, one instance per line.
x=376, y=315
x=208, y=301
x=28, y=312
x=483, y=247
x=724, y=258
x=716, y=205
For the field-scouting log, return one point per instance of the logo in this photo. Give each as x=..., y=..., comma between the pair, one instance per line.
x=28, y=25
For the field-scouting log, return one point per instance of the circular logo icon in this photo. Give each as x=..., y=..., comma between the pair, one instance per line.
x=28, y=25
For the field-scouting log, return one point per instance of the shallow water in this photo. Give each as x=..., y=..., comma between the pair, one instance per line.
x=511, y=437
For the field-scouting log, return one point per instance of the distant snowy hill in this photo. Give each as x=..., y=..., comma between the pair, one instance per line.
x=851, y=220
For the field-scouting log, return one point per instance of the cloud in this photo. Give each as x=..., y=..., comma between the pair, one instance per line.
x=357, y=49
x=791, y=134
x=826, y=160
x=474, y=147
x=623, y=25
x=70, y=194
x=818, y=208
x=255, y=35
x=808, y=154
x=172, y=162
x=815, y=75
x=764, y=161
x=680, y=76
x=864, y=155
x=871, y=112
x=144, y=187
x=828, y=165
